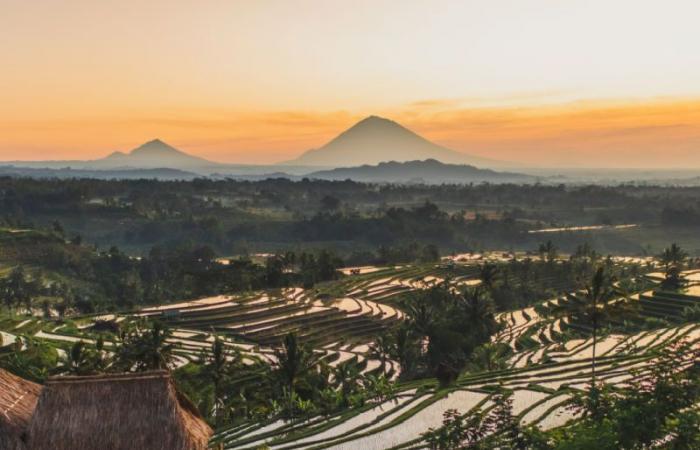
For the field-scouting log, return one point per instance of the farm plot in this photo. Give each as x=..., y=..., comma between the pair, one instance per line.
x=265, y=319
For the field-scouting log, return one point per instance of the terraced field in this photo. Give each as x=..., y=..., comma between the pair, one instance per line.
x=264, y=319
x=551, y=352
x=547, y=367
x=541, y=392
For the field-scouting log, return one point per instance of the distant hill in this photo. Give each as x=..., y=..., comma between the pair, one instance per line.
x=101, y=174
x=157, y=154
x=153, y=154
x=375, y=139
x=429, y=171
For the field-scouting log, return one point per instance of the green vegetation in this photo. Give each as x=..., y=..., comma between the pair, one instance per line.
x=434, y=341
x=238, y=217
x=353, y=330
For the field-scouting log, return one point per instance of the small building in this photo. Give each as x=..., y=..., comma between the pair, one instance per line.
x=18, y=399
x=133, y=411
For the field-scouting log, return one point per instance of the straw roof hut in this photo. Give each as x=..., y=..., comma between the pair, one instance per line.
x=134, y=411
x=17, y=401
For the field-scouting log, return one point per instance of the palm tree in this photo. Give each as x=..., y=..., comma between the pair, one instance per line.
x=382, y=349
x=420, y=316
x=347, y=377
x=547, y=251
x=478, y=310
x=158, y=352
x=409, y=348
x=218, y=365
x=490, y=357
x=592, y=306
x=488, y=274
x=673, y=256
x=145, y=347
x=598, y=296
x=294, y=360
x=77, y=361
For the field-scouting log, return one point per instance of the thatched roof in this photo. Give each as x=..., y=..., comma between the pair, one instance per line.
x=17, y=401
x=135, y=411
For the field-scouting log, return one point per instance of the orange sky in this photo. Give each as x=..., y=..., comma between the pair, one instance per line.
x=621, y=134
x=582, y=82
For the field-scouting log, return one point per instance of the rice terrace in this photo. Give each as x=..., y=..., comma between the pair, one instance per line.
x=364, y=225
x=357, y=337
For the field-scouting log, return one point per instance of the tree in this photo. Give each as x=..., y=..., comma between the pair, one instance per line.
x=591, y=308
x=144, y=346
x=673, y=279
x=657, y=410
x=443, y=327
x=490, y=357
x=585, y=251
x=547, y=251
x=407, y=350
x=219, y=365
x=488, y=273
x=347, y=376
x=82, y=360
x=57, y=228
x=31, y=358
x=429, y=253
x=330, y=203
x=498, y=428
x=293, y=361
x=598, y=293
x=17, y=289
x=673, y=256
x=446, y=354
x=382, y=349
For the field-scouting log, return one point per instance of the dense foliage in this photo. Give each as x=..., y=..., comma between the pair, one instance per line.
x=239, y=216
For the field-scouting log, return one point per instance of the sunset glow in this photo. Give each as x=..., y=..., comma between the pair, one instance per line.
x=544, y=83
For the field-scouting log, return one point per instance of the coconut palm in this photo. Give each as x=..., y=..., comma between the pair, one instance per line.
x=488, y=274
x=158, y=353
x=591, y=305
x=478, y=308
x=144, y=347
x=382, y=349
x=673, y=256
x=293, y=361
x=598, y=296
x=408, y=349
x=489, y=357
x=77, y=361
x=219, y=365
x=347, y=377
x=547, y=251
x=421, y=316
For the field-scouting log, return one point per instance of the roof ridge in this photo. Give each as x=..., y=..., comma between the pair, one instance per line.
x=155, y=374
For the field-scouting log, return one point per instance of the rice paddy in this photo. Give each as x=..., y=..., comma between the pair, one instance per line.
x=551, y=357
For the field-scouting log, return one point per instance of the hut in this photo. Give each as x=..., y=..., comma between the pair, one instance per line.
x=134, y=411
x=18, y=398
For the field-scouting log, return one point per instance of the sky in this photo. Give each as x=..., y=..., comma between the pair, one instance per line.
x=544, y=82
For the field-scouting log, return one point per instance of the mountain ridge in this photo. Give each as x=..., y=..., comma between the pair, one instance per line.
x=428, y=171
x=376, y=139
x=154, y=154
